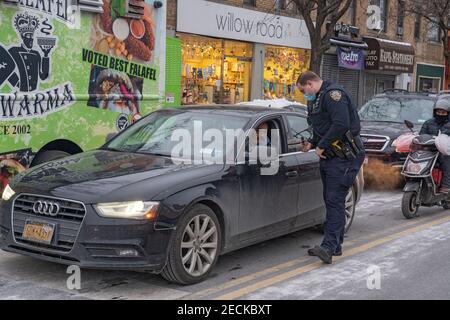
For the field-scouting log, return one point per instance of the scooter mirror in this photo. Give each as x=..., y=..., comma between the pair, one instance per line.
x=409, y=124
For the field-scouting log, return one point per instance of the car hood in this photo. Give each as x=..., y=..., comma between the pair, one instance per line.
x=109, y=176
x=392, y=130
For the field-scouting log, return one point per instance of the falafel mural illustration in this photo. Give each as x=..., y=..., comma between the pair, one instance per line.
x=23, y=66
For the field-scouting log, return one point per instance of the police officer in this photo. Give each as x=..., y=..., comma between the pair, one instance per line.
x=336, y=127
x=440, y=122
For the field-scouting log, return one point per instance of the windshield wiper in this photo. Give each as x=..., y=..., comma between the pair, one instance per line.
x=155, y=154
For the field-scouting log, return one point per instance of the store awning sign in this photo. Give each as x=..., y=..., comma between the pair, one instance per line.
x=350, y=58
x=213, y=19
x=387, y=55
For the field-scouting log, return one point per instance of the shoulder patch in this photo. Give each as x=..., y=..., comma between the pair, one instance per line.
x=336, y=95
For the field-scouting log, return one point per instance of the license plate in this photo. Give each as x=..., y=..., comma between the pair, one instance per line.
x=366, y=160
x=38, y=231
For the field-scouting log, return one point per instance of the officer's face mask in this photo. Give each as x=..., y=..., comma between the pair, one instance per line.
x=308, y=92
x=309, y=97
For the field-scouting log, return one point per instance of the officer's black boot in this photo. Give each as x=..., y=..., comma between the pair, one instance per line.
x=337, y=253
x=322, y=253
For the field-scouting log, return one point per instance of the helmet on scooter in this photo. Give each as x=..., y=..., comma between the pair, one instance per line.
x=442, y=103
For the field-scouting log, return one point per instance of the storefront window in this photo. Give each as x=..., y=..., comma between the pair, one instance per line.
x=429, y=84
x=215, y=71
x=281, y=70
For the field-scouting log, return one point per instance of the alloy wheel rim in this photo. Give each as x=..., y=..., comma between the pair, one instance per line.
x=349, y=207
x=199, y=245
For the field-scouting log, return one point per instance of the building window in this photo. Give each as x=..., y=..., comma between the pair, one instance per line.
x=417, y=25
x=428, y=84
x=383, y=5
x=280, y=5
x=215, y=71
x=433, y=32
x=400, y=17
x=282, y=68
x=251, y=3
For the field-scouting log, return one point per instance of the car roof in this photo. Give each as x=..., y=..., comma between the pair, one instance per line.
x=238, y=110
x=273, y=103
x=407, y=95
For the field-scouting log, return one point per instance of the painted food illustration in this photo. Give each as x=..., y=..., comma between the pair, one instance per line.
x=9, y=168
x=116, y=92
x=128, y=36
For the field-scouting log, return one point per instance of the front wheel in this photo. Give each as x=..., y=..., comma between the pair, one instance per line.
x=409, y=204
x=195, y=247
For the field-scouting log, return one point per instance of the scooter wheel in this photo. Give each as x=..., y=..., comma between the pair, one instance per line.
x=409, y=205
x=446, y=205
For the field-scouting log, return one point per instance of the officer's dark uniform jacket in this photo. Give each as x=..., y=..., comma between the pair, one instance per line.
x=331, y=115
x=432, y=127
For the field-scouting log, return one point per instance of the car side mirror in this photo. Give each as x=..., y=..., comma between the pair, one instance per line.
x=409, y=124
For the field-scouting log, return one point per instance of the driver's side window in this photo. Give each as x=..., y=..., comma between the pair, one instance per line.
x=299, y=131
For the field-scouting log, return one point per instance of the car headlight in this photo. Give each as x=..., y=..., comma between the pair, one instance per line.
x=416, y=168
x=128, y=210
x=394, y=143
x=7, y=193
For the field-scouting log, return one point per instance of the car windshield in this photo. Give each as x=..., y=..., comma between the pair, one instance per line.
x=155, y=133
x=393, y=109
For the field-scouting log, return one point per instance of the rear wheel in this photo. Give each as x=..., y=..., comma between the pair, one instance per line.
x=49, y=155
x=446, y=205
x=350, y=204
x=409, y=205
x=195, y=247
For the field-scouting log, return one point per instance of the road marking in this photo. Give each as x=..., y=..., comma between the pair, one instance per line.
x=291, y=263
x=295, y=272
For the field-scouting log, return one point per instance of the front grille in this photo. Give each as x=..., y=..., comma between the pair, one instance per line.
x=67, y=222
x=374, y=143
x=3, y=233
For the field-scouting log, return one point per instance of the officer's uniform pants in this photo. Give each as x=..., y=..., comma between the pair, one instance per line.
x=338, y=176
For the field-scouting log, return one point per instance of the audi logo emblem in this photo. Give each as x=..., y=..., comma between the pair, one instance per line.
x=46, y=208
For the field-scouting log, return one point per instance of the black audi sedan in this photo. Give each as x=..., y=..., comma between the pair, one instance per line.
x=133, y=205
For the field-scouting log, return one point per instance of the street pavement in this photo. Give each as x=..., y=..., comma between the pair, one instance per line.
x=385, y=257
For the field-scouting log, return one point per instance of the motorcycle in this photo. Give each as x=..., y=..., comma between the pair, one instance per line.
x=423, y=176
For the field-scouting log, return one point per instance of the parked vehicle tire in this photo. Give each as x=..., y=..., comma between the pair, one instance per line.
x=49, y=155
x=446, y=205
x=409, y=205
x=350, y=204
x=195, y=247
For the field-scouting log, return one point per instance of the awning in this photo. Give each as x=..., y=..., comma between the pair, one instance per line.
x=345, y=43
x=388, y=55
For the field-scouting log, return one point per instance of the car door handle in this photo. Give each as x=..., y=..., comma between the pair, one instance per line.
x=292, y=174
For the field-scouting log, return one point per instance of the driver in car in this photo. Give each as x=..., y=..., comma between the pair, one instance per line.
x=262, y=135
x=440, y=122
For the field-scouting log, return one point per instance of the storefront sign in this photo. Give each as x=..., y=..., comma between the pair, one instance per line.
x=222, y=21
x=350, y=58
x=386, y=55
